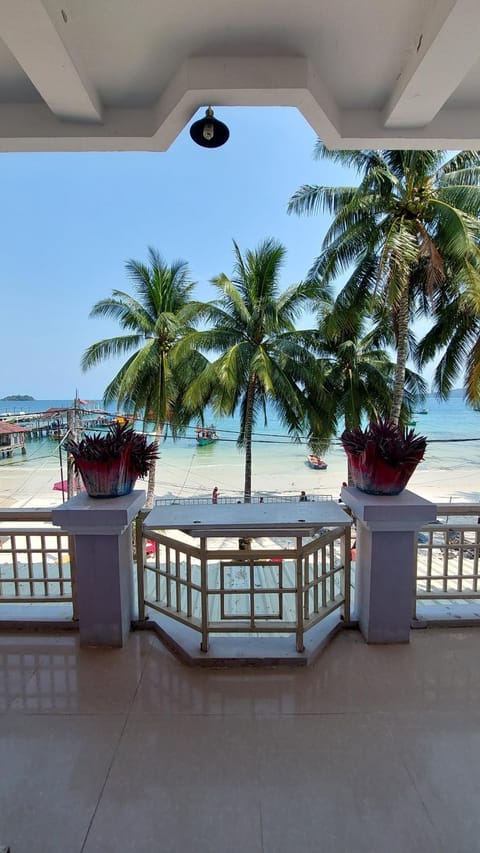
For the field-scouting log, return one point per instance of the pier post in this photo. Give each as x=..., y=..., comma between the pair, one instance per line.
x=104, y=560
x=387, y=530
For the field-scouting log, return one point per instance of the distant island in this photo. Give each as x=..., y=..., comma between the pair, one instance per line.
x=17, y=397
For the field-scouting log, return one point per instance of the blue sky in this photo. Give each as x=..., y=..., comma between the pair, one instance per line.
x=70, y=222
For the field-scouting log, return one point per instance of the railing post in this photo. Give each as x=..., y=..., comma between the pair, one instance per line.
x=73, y=576
x=387, y=531
x=140, y=552
x=204, y=586
x=299, y=588
x=346, y=548
x=104, y=564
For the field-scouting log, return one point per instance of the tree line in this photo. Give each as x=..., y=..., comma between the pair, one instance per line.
x=407, y=237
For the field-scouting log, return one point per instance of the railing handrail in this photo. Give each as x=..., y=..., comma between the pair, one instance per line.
x=458, y=509
x=236, y=499
x=25, y=514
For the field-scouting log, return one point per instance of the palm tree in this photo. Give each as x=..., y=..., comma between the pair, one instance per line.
x=156, y=375
x=456, y=332
x=357, y=373
x=412, y=214
x=260, y=357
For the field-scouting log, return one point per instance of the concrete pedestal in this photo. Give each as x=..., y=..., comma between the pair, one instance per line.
x=387, y=529
x=104, y=571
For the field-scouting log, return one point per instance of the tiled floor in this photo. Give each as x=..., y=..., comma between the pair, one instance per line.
x=375, y=749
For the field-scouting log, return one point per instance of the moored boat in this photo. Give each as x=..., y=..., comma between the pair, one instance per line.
x=316, y=463
x=206, y=435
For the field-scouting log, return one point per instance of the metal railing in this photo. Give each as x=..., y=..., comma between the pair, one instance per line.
x=37, y=561
x=448, y=559
x=265, y=499
x=278, y=587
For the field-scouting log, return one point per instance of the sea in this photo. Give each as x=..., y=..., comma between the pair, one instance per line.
x=278, y=463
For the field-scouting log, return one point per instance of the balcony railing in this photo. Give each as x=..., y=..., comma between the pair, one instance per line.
x=448, y=557
x=37, y=563
x=286, y=588
x=281, y=587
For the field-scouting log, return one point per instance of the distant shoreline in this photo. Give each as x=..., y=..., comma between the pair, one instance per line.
x=17, y=398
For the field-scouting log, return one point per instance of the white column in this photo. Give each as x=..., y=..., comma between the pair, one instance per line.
x=103, y=548
x=387, y=530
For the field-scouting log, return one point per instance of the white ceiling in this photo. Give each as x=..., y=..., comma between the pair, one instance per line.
x=129, y=74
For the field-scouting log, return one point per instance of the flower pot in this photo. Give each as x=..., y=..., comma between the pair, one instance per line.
x=382, y=457
x=372, y=475
x=106, y=479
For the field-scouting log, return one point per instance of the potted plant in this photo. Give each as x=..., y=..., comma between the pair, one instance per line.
x=110, y=464
x=382, y=457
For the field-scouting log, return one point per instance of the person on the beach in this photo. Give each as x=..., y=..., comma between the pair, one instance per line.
x=303, y=497
x=215, y=495
x=340, y=496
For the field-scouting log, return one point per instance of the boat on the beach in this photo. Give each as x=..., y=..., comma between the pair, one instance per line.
x=206, y=435
x=316, y=463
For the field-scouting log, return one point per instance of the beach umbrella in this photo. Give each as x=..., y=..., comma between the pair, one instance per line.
x=62, y=486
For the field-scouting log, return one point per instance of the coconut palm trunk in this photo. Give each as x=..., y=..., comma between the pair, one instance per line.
x=151, y=485
x=247, y=489
x=402, y=349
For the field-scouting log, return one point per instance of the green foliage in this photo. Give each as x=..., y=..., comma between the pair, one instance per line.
x=357, y=374
x=259, y=355
x=156, y=321
x=456, y=333
x=400, y=233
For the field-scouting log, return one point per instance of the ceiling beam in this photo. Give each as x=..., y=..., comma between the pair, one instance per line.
x=244, y=81
x=35, y=43
x=449, y=130
x=445, y=51
x=33, y=127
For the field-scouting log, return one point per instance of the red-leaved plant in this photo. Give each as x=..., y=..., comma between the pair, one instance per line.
x=109, y=464
x=383, y=456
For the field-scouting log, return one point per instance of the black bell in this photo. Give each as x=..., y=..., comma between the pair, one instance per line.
x=209, y=132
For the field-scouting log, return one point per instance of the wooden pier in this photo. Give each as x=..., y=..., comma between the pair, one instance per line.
x=53, y=423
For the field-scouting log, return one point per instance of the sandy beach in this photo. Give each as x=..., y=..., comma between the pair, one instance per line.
x=449, y=471
x=185, y=471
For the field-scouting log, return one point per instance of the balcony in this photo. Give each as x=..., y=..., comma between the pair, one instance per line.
x=371, y=747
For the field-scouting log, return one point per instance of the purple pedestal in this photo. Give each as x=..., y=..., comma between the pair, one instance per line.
x=104, y=565
x=387, y=529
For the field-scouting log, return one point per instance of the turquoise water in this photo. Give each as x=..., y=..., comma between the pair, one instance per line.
x=278, y=463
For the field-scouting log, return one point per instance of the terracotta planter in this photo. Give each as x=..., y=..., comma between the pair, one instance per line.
x=372, y=475
x=106, y=479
